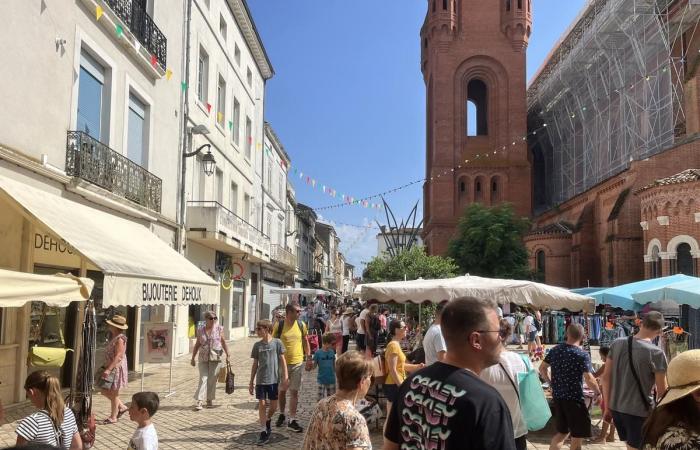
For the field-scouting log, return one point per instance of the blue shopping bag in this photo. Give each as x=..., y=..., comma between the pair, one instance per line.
x=533, y=403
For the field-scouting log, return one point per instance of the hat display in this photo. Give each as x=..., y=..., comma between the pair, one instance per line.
x=118, y=321
x=683, y=376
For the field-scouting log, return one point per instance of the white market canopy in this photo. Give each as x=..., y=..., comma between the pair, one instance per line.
x=18, y=288
x=519, y=292
x=300, y=291
x=139, y=268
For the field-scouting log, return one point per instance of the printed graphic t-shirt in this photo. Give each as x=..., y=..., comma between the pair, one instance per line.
x=268, y=356
x=291, y=337
x=144, y=438
x=568, y=363
x=445, y=407
x=326, y=366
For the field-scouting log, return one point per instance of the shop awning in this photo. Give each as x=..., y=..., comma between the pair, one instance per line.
x=300, y=291
x=18, y=288
x=139, y=268
x=621, y=296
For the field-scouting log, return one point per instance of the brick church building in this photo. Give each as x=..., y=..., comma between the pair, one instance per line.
x=601, y=150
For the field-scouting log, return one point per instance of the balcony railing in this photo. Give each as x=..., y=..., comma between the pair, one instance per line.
x=142, y=26
x=91, y=160
x=228, y=223
x=282, y=256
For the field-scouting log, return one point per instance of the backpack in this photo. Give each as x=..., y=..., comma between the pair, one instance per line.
x=538, y=324
x=280, y=326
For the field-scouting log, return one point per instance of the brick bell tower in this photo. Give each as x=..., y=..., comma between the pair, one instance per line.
x=473, y=64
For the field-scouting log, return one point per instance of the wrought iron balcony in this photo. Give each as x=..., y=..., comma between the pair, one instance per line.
x=283, y=256
x=91, y=160
x=142, y=26
x=217, y=220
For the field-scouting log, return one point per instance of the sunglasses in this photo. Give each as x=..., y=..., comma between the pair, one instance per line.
x=212, y=318
x=501, y=333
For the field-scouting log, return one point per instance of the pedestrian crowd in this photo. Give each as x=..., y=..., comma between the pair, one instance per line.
x=465, y=391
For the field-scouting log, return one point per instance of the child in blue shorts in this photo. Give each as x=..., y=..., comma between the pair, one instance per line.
x=268, y=359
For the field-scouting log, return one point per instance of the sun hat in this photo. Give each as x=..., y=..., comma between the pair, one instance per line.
x=118, y=321
x=683, y=376
x=349, y=311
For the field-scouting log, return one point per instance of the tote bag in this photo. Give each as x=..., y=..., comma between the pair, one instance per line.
x=533, y=403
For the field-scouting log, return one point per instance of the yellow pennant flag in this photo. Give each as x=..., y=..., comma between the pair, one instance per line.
x=98, y=12
x=220, y=116
x=168, y=74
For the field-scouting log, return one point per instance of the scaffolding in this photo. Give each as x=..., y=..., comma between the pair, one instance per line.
x=610, y=93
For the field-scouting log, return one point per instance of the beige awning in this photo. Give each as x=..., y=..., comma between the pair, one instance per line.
x=139, y=268
x=18, y=288
x=520, y=292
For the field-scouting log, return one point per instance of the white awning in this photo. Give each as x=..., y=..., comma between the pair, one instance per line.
x=18, y=288
x=139, y=268
x=301, y=291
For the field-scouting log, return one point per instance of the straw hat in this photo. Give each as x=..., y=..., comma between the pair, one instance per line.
x=683, y=376
x=349, y=311
x=118, y=321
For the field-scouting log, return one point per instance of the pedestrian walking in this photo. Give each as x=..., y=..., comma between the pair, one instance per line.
x=570, y=366
x=210, y=346
x=348, y=326
x=519, y=329
x=607, y=434
x=397, y=368
x=324, y=359
x=114, y=375
x=530, y=332
x=362, y=325
x=433, y=341
x=472, y=415
x=504, y=378
x=54, y=424
x=374, y=326
x=141, y=410
x=675, y=423
x=292, y=332
x=335, y=326
x=335, y=423
x=636, y=365
x=267, y=376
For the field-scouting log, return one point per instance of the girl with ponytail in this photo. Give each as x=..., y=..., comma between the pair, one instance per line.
x=54, y=423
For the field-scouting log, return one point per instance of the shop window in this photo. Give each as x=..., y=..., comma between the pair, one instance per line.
x=684, y=260
x=237, y=304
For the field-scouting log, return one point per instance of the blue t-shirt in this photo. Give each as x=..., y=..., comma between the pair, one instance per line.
x=326, y=366
x=568, y=364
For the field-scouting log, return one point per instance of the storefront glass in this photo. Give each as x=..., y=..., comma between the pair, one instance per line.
x=237, y=304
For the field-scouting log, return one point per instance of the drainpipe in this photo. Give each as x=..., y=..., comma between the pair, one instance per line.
x=184, y=141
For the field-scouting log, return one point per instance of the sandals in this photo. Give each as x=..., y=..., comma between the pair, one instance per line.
x=108, y=421
x=121, y=412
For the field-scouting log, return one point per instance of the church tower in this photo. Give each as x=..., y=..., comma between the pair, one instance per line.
x=473, y=64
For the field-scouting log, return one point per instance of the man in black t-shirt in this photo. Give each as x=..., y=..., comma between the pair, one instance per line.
x=446, y=406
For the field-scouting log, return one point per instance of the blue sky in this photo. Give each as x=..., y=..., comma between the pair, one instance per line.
x=348, y=99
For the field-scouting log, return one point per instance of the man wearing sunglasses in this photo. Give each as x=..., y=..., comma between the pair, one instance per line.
x=292, y=332
x=446, y=405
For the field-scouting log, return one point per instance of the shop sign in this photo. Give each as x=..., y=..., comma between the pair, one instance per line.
x=132, y=291
x=158, y=346
x=52, y=250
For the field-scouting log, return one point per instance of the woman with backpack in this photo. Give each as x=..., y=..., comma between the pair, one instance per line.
x=54, y=424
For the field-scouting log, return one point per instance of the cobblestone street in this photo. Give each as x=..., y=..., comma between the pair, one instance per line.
x=230, y=424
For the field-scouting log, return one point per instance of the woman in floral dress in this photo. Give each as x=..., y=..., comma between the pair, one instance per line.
x=675, y=423
x=335, y=423
x=115, y=361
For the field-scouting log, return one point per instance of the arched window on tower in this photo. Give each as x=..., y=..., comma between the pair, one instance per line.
x=684, y=260
x=433, y=5
x=495, y=191
x=425, y=42
x=507, y=5
x=520, y=4
x=478, y=191
x=655, y=263
x=444, y=4
x=540, y=264
x=462, y=191
x=477, y=95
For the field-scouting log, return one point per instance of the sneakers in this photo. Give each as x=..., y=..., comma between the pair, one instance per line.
x=264, y=437
x=280, y=420
x=294, y=426
x=198, y=406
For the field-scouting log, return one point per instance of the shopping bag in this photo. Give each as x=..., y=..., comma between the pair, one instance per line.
x=47, y=357
x=312, y=339
x=533, y=403
x=221, y=376
x=230, y=379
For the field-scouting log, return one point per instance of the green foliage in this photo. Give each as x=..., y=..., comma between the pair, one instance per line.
x=411, y=264
x=489, y=242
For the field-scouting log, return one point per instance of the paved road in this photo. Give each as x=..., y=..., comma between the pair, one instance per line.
x=230, y=424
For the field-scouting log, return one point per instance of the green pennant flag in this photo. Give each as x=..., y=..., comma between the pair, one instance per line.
x=184, y=86
x=120, y=30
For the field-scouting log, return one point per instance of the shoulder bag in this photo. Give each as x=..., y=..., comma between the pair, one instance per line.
x=645, y=399
x=44, y=356
x=214, y=354
x=230, y=379
x=533, y=403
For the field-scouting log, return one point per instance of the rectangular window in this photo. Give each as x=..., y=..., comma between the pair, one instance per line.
x=233, y=201
x=237, y=54
x=268, y=159
x=281, y=186
x=249, y=77
x=221, y=101
x=200, y=180
x=246, y=208
x=248, y=137
x=203, y=76
x=90, y=96
x=137, y=137
x=220, y=186
x=222, y=27
x=236, y=121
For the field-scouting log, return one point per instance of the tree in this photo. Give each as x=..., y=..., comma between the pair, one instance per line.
x=489, y=242
x=410, y=265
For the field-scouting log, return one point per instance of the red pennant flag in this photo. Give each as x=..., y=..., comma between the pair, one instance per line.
x=208, y=107
x=154, y=60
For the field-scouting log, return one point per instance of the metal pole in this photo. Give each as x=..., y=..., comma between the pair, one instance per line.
x=172, y=356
